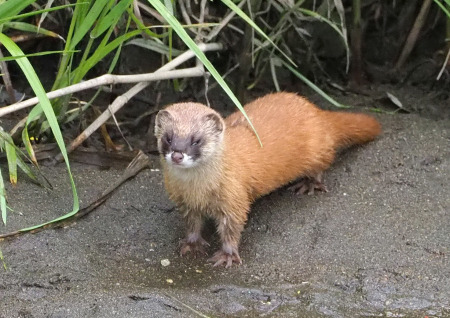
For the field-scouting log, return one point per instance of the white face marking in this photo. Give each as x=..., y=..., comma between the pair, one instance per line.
x=186, y=163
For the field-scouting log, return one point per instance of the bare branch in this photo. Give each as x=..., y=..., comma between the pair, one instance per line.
x=223, y=23
x=165, y=72
x=184, y=13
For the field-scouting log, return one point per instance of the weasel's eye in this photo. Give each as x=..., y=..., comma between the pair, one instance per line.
x=168, y=140
x=196, y=142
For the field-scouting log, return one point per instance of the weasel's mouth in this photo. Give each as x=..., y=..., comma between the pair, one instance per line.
x=178, y=164
x=179, y=159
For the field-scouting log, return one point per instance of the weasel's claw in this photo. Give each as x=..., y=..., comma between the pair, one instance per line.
x=196, y=247
x=308, y=185
x=221, y=257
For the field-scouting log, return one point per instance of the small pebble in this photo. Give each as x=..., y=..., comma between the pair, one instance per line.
x=169, y=281
x=165, y=262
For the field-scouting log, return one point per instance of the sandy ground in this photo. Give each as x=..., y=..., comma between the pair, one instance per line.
x=376, y=245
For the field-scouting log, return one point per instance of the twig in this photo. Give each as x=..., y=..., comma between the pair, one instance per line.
x=443, y=66
x=223, y=23
x=188, y=7
x=120, y=130
x=414, y=33
x=213, y=85
x=184, y=13
x=201, y=19
x=187, y=18
x=152, y=12
x=106, y=79
x=165, y=72
x=7, y=79
x=136, y=10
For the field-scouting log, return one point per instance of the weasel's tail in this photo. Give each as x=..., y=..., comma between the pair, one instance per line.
x=352, y=129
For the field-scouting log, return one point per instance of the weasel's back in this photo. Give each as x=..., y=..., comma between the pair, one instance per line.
x=298, y=139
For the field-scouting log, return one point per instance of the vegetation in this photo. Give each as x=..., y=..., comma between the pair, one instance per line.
x=316, y=41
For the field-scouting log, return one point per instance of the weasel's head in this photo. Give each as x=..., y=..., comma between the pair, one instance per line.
x=189, y=134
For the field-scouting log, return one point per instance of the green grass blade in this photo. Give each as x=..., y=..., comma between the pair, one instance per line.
x=27, y=27
x=111, y=18
x=247, y=19
x=3, y=207
x=142, y=27
x=14, y=160
x=12, y=7
x=37, y=12
x=200, y=55
x=87, y=22
x=99, y=54
x=323, y=19
x=314, y=87
x=7, y=144
x=29, y=149
x=151, y=44
x=11, y=157
x=443, y=8
x=63, y=70
x=273, y=72
x=27, y=170
x=12, y=58
x=44, y=106
x=119, y=49
x=16, y=154
x=45, y=14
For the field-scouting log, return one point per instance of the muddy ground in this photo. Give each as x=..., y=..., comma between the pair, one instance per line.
x=376, y=245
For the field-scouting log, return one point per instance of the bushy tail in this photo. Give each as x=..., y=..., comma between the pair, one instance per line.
x=352, y=129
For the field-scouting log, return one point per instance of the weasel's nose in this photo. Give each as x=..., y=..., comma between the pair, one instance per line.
x=177, y=157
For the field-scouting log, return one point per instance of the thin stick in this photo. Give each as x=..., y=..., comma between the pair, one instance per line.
x=136, y=10
x=414, y=33
x=223, y=23
x=188, y=7
x=184, y=13
x=201, y=19
x=151, y=11
x=7, y=79
x=443, y=66
x=162, y=73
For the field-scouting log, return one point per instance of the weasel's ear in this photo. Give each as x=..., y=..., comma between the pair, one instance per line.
x=163, y=118
x=215, y=121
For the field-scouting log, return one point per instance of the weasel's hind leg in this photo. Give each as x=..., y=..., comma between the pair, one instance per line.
x=309, y=185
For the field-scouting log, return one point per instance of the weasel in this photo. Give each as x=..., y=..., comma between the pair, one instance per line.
x=215, y=167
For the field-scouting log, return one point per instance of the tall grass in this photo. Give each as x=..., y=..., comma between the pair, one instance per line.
x=9, y=11
x=44, y=106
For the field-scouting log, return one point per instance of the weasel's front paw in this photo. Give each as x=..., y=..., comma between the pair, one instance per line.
x=221, y=257
x=195, y=247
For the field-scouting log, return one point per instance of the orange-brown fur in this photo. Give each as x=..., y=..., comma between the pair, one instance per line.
x=299, y=140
